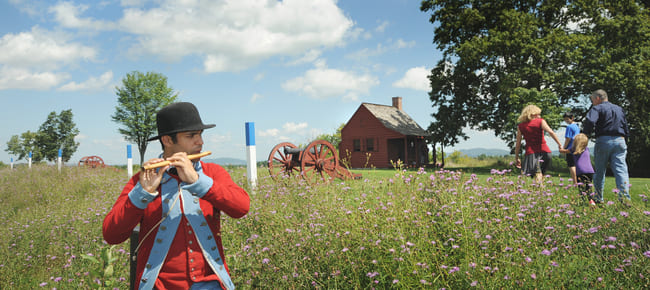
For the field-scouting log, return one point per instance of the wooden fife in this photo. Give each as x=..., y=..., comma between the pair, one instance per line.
x=165, y=163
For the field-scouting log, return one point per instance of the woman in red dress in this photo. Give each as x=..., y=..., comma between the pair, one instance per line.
x=538, y=154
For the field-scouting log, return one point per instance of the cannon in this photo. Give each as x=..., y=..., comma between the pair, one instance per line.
x=92, y=161
x=319, y=160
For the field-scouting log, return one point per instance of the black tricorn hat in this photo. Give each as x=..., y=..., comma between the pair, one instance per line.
x=179, y=117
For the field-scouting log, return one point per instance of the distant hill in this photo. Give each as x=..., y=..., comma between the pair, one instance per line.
x=475, y=152
x=225, y=161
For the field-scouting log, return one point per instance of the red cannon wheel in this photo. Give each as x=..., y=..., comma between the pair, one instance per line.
x=280, y=163
x=319, y=161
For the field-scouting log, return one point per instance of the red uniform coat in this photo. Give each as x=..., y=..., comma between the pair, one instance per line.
x=185, y=263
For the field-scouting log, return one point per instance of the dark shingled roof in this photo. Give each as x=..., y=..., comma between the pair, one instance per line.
x=395, y=119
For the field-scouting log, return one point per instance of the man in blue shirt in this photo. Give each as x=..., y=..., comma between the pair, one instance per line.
x=571, y=131
x=607, y=121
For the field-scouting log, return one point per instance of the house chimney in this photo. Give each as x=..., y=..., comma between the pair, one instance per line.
x=397, y=103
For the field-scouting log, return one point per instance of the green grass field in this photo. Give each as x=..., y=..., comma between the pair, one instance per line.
x=454, y=229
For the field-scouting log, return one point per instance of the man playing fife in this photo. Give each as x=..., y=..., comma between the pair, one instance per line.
x=178, y=207
x=607, y=121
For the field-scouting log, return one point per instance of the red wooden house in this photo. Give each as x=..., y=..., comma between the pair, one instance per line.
x=379, y=135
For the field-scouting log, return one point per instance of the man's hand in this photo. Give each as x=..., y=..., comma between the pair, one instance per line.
x=184, y=167
x=150, y=179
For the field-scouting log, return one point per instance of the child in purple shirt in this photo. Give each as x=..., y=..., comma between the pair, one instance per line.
x=584, y=169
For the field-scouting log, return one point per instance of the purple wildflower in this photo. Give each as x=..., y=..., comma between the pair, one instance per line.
x=372, y=274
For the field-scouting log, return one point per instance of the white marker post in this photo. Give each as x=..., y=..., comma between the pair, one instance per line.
x=29, y=160
x=129, y=161
x=136, y=231
x=251, y=160
x=59, y=160
x=12, y=163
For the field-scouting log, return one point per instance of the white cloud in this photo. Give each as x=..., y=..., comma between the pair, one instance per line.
x=91, y=84
x=322, y=82
x=269, y=133
x=309, y=56
x=33, y=59
x=291, y=127
x=30, y=7
x=67, y=14
x=400, y=43
x=132, y=2
x=17, y=78
x=380, y=49
x=215, y=139
x=234, y=35
x=41, y=49
x=256, y=97
x=80, y=137
x=415, y=78
x=382, y=26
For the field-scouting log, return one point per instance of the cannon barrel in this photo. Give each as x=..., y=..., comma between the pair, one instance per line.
x=294, y=151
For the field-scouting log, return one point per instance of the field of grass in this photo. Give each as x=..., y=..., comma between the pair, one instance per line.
x=454, y=229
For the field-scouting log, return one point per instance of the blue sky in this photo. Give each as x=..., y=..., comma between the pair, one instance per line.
x=295, y=68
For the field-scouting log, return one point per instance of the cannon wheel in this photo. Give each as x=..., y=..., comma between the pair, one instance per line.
x=319, y=160
x=91, y=161
x=281, y=164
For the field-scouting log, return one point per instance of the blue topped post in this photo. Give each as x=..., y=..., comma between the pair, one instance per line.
x=129, y=161
x=29, y=159
x=59, y=159
x=251, y=159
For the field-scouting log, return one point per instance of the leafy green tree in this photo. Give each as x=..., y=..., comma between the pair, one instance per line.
x=447, y=129
x=334, y=139
x=139, y=98
x=20, y=146
x=58, y=132
x=498, y=56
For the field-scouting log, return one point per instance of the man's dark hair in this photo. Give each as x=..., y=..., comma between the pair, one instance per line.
x=174, y=140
